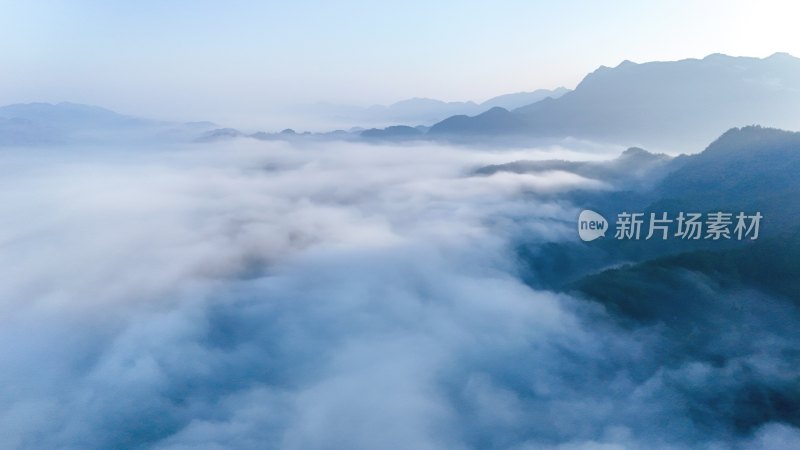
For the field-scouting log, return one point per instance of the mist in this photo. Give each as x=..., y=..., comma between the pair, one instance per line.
x=317, y=295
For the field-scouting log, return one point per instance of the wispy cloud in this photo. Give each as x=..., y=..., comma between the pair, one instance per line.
x=252, y=295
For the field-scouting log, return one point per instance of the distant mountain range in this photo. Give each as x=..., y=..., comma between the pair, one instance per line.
x=420, y=111
x=662, y=105
x=671, y=107
x=33, y=124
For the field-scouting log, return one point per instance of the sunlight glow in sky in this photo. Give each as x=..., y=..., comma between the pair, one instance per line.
x=224, y=61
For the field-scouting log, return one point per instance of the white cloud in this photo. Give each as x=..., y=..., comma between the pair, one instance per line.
x=252, y=295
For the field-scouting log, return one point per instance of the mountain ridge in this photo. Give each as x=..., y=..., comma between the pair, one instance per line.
x=660, y=104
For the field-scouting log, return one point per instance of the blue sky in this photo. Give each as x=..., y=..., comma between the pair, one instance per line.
x=226, y=61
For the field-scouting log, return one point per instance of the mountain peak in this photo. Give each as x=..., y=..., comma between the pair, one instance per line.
x=781, y=55
x=633, y=152
x=717, y=57
x=495, y=111
x=750, y=139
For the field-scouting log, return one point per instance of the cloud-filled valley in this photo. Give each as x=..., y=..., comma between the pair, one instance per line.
x=414, y=226
x=248, y=294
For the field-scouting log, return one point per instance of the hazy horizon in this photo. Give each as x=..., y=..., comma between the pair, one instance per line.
x=247, y=63
x=315, y=116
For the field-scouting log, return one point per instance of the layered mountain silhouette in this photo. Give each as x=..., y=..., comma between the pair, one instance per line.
x=661, y=105
x=32, y=124
x=425, y=111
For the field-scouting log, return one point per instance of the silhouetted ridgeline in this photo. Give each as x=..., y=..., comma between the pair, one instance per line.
x=663, y=105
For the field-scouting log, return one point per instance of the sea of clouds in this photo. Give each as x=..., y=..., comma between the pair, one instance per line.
x=255, y=295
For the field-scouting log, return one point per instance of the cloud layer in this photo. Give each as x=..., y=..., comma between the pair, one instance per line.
x=254, y=295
